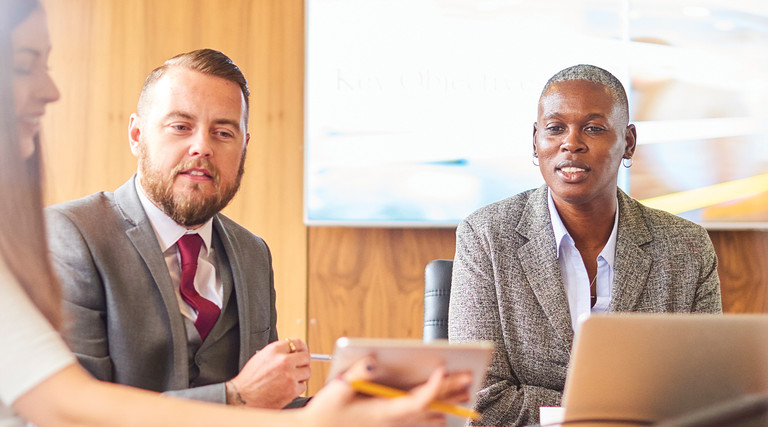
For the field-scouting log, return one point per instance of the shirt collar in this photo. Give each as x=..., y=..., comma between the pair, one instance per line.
x=166, y=229
x=557, y=224
x=561, y=233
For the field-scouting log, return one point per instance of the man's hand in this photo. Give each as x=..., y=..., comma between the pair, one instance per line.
x=273, y=377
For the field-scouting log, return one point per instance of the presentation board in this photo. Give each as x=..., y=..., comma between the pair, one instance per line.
x=419, y=112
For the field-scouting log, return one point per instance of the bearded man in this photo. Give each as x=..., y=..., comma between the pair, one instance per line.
x=163, y=292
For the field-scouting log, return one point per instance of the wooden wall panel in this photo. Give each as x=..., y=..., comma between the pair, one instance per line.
x=743, y=269
x=103, y=50
x=368, y=282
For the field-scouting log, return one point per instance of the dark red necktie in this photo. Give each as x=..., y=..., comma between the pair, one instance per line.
x=207, y=312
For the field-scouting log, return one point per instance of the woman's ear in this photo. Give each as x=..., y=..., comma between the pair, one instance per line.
x=631, y=141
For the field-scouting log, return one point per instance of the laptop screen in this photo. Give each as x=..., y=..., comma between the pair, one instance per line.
x=648, y=367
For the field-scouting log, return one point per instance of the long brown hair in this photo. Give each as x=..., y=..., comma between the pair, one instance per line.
x=23, y=244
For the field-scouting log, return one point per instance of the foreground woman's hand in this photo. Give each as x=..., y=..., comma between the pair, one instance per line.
x=340, y=405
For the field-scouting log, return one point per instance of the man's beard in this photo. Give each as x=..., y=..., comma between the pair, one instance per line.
x=189, y=210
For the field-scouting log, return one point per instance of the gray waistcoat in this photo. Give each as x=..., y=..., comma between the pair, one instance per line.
x=215, y=360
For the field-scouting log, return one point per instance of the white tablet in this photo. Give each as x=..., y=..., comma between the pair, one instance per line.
x=408, y=362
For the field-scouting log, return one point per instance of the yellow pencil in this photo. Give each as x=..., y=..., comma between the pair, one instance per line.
x=379, y=390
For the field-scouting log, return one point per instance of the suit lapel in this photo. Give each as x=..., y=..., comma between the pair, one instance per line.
x=223, y=270
x=231, y=248
x=633, y=264
x=539, y=262
x=141, y=234
x=223, y=274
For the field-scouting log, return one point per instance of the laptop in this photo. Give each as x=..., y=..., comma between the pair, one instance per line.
x=645, y=368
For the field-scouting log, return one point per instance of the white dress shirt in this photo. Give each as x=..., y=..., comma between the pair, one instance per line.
x=168, y=232
x=575, y=277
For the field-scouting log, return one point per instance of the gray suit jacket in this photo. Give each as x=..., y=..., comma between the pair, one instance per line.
x=507, y=288
x=124, y=322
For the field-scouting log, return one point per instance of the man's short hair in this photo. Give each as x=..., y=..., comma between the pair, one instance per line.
x=595, y=75
x=206, y=61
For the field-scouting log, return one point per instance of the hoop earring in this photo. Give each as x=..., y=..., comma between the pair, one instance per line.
x=627, y=164
x=535, y=161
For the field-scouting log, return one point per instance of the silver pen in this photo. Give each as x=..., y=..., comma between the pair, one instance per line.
x=320, y=357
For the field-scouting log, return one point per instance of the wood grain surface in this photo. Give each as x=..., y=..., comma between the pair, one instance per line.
x=743, y=269
x=368, y=282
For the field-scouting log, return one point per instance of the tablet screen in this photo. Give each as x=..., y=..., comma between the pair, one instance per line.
x=409, y=362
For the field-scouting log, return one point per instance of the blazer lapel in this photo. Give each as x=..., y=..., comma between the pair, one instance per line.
x=231, y=247
x=633, y=264
x=539, y=261
x=142, y=236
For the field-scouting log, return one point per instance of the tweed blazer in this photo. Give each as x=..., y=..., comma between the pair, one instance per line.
x=124, y=320
x=507, y=287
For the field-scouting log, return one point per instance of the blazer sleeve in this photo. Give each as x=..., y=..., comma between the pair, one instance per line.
x=708, y=298
x=474, y=315
x=272, y=298
x=84, y=300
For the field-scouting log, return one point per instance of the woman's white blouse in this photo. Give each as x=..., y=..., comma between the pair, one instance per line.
x=32, y=350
